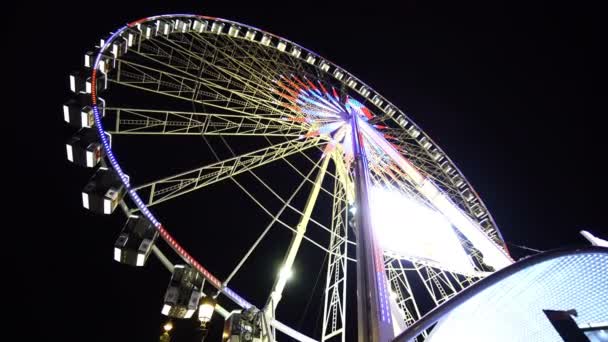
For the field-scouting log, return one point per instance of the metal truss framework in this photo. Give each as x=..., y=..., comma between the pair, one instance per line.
x=159, y=122
x=182, y=183
x=230, y=83
x=334, y=308
x=214, y=84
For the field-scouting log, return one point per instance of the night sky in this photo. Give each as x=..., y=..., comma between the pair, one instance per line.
x=507, y=92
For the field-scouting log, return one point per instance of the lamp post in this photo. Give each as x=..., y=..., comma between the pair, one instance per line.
x=205, y=312
x=165, y=337
x=374, y=317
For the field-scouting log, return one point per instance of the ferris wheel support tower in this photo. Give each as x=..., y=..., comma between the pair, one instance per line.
x=373, y=310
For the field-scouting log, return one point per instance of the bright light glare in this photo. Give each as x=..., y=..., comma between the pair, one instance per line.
x=409, y=229
x=206, y=308
x=394, y=295
x=166, y=309
x=168, y=326
x=285, y=273
x=189, y=313
x=512, y=308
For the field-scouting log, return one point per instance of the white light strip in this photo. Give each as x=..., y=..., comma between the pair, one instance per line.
x=290, y=332
x=66, y=113
x=68, y=149
x=403, y=163
x=85, y=200
x=84, y=119
x=593, y=325
x=189, y=313
x=107, y=206
x=493, y=255
x=102, y=66
x=405, y=226
x=594, y=239
x=165, y=310
x=90, y=159
x=140, y=259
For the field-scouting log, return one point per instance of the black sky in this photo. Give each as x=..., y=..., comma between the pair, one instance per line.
x=508, y=91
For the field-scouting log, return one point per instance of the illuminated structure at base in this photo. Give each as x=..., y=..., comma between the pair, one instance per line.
x=509, y=305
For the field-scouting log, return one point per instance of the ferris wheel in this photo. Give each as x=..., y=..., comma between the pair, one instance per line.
x=308, y=149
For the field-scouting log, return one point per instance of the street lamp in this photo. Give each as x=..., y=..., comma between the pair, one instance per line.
x=168, y=326
x=165, y=337
x=205, y=309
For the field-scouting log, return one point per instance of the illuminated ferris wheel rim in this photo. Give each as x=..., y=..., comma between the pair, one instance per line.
x=312, y=58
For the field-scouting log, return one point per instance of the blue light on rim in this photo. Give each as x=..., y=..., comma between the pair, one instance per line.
x=125, y=179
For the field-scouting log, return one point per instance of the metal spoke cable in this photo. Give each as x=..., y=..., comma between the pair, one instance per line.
x=197, y=81
x=311, y=294
x=333, y=195
x=286, y=225
x=274, y=219
x=176, y=94
x=525, y=248
x=242, y=78
x=270, y=214
x=269, y=188
x=226, y=71
x=332, y=175
x=148, y=121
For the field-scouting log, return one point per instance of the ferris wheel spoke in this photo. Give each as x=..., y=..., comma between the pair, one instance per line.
x=299, y=172
x=192, y=89
x=293, y=167
x=254, y=81
x=494, y=255
x=294, y=246
x=281, y=222
x=437, y=282
x=158, y=51
x=162, y=122
x=450, y=181
x=402, y=186
x=275, y=218
x=333, y=195
x=259, y=63
x=293, y=208
x=263, y=64
x=249, y=77
x=392, y=175
x=279, y=197
x=420, y=156
x=402, y=292
x=309, y=159
x=185, y=182
x=215, y=77
x=395, y=179
x=335, y=301
x=245, y=110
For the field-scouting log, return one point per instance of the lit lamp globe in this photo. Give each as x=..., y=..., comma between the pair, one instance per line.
x=206, y=308
x=168, y=326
